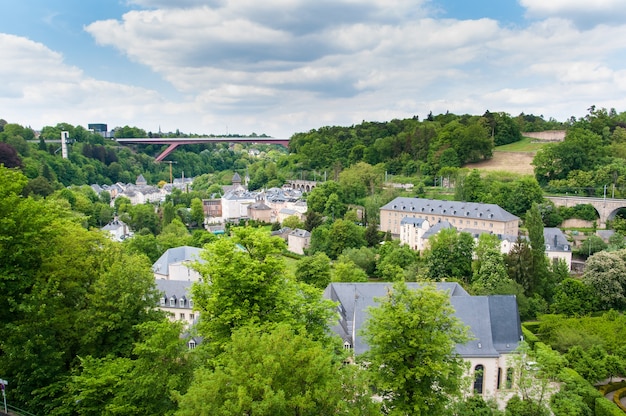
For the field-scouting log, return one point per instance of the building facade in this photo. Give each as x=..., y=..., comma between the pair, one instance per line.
x=493, y=322
x=464, y=216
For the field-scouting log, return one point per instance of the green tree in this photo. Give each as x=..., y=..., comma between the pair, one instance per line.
x=138, y=385
x=293, y=222
x=490, y=269
x=605, y=273
x=407, y=329
x=275, y=372
x=450, y=256
x=197, y=211
x=539, y=278
x=345, y=270
x=245, y=282
x=573, y=298
x=519, y=262
x=314, y=270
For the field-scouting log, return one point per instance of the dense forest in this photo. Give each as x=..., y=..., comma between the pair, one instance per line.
x=81, y=333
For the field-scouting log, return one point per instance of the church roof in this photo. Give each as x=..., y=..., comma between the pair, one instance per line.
x=493, y=321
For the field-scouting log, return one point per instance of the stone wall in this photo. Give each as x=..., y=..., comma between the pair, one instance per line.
x=548, y=135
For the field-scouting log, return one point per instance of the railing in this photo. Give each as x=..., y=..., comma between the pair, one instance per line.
x=15, y=411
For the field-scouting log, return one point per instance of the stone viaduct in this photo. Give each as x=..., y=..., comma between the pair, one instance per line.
x=606, y=207
x=304, y=186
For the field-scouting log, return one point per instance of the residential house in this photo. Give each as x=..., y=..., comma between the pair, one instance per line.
x=557, y=246
x=118, y=230
x=259, y=211
x=493, y=322
x=285, y=213
x=298, y=240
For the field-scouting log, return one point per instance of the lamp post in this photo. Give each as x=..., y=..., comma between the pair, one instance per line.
x=4, y=383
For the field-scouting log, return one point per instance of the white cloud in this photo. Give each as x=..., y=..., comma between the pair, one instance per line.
x=584, y=13
x=282, y=66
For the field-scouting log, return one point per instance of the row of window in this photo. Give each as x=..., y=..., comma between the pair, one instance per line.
x=182, y=302
x=479, y=376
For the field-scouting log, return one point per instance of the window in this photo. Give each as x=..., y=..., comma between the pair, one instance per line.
x=499, y=385
x=509, y=378
x=182, y=316
x=163, y=301
x=172, y=301
x=192, y=317
x=479, y=375
x=191, y=344
x=181, y=302
x=190, y=303
x=347, y=346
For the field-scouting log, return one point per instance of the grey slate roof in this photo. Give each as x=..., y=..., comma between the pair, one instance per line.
x=176, y=288
x=176, y=255
x=555, y=240
x=436, y=228
x=299, y=232
x=260, y=206
x=493, y=320
x=450, y=208
x=413, y=221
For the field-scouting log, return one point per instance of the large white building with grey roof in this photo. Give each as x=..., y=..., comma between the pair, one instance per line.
x=176, y=300
x=463, y=216
x=175, y=264
x=493, y=321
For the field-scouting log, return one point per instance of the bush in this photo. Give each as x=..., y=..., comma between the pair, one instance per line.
x=575, y=385
x=605, y=407
x=529, y=337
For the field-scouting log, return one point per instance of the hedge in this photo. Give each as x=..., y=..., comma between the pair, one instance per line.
x=529, y=337
x=576, y=384
x=617, y=398
x=605, y=407
x=607, y=388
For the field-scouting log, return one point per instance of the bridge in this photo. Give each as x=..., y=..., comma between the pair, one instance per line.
x=606, y=207
x=174, y=142
x=304, y=186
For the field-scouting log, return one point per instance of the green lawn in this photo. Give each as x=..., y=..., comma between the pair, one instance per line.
x=524, y=145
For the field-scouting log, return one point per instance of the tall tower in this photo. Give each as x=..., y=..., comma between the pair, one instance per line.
x=64, y=137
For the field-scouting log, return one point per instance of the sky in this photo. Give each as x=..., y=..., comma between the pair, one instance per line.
x=280, y=67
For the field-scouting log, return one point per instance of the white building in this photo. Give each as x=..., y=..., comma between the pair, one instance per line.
x=175, y=264
x=493, y=322
x=176, y=300
x=298, y=240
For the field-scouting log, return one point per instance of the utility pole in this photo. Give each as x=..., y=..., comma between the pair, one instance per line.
x=170, y=162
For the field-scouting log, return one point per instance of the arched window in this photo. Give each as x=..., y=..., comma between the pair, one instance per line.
x=509, y=378
x=479, y=374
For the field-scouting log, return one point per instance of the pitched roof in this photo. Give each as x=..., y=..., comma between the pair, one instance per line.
x=412, y=221
x=299, y=232
x=555, y=240
x=176, y=288
x=176, y=255
x=449, y=208
x=493, y=320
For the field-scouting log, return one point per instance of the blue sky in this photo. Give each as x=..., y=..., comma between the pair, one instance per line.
x=284, y=66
